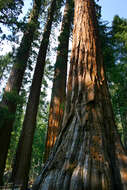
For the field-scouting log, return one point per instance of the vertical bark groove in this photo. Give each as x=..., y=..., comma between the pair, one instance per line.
x=88, y=151
x=59, y=83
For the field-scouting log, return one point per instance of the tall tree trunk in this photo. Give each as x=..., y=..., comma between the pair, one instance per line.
x=24, y=149
x=9, y=101
x=59, y=83
x=88, y=153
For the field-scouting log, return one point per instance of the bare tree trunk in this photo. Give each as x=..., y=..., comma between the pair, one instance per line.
x=23, y=155
x=59, y=83
x=9, y=101
x=88, y=154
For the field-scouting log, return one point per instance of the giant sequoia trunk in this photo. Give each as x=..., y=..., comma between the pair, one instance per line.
x=9, y=101
x=23, y=155
x=59, y=82
x=88, y=153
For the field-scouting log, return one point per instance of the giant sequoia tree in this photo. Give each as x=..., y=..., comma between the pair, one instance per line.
x=88, y=153
x=10, y=98
x=59, y=83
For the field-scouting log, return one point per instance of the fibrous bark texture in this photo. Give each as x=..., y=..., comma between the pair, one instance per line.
x=59, y=83
x=23, y=155
x=88, y=154
x=9, y=101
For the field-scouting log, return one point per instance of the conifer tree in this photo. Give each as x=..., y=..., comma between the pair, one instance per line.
x=118, y=73
x=23, y=154
x=59, y=83
x=13, y=86
x=88, y=153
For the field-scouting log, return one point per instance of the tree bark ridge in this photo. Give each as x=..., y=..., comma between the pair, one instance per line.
x=59, y=83
x=88, y=154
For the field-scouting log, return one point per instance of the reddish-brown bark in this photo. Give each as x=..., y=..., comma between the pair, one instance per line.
x=59, y=83
x=88, y=154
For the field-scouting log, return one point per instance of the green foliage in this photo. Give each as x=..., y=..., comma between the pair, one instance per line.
x=4, y=113
x=114, y=45
x=41, y=125
x=119, y=74
x=9, y=17
x=41, y=128
x=42, y=118
x=119, y=33
x=15, y=134
x=9, y=11
x=13, y=97
x=5, y=64
x=39, y=139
